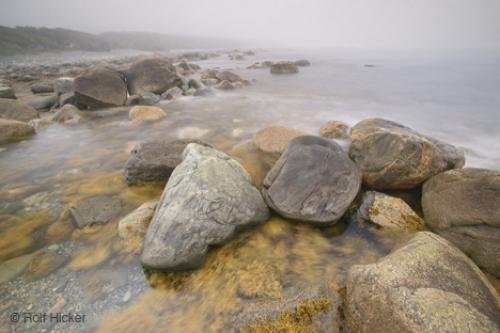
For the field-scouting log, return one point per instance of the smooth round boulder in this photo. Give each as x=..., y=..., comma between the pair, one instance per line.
x=146, y=113
x=42, y=88
x=284, y=67
x=99, y=87
x=334, y=130
x=13, y=130
x=274, y=139
x=392, y=156
x=314, y=181
x=208, y=198
x=154, y=160
x=151, y=75
x=427, y=285
x=463, y=206
x=16, y=110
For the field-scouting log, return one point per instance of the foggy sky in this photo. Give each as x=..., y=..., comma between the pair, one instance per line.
x=310, y=23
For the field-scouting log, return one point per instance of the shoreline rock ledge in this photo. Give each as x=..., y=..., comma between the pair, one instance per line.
x=425, y=286
x=314, y=180
x=394, y=157
x=208, y=198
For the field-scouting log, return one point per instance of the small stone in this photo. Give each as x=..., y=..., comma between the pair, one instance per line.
x=146, y=113
x=274, y=139
x=126, y=296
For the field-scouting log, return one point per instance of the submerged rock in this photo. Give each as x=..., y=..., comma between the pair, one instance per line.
x=314, y=180
x=68, y=114
x=284, y=67
x=146, y=113
x=136, y=223
x=151, y=75
x=154, y=160
x=425, y=286
x=274, y=139
x=149, y=99
x=392, y=156
x=98, y=209
x=207, y=199
x=388, y=212
x=13, y=130
x=100, y=87
x=302, y=63
x=463, y=206
x=334, y=130
x=16, y=110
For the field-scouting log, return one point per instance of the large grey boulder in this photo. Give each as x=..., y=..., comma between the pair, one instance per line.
x=463, y=206
x=314, y=180
x=426, y=286
x=154, y=160
x=13, y=130
x=207, y=199
x=392, y=156
x=151, y=75
x=14, y=109
x=99, y=87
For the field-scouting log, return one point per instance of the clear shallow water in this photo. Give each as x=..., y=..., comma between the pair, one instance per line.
x=93, y=270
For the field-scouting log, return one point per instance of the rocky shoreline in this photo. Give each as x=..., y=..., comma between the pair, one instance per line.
x=434, y=275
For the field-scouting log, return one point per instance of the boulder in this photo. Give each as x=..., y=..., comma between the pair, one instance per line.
x=209, y=82
x=334, y=130
x=151, y=75
x=43, y=103
x=427, y=285
x=228, y=76
x=392, y=156
x=154, y=160
x=274, y=139
x=388, y=212
x=99, y=209
x=463, y=206
x=7, y=92
x=225, y=85
x=136, y=223
x=14, y=109
x=68, y=114
x=100, y=87
x=207, y=199
x=64, y=85
x=314, y=181
x=133, y=100
x=146, y=113
x=284, y=67
x=172, y=93
x=302, y=63
x=209, y=74
x=42, y=88
x=149, y=99
x=13, y=130
x=196, y=84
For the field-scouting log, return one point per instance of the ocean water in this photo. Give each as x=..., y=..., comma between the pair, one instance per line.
x=96, y=273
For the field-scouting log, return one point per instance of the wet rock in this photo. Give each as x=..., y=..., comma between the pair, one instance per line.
x=314, y=180
x=274, y=139
x=225, y=85
x=46, y=202
x=42, y=88
x=209, y=74
x=203, y=92
x=196, y=84
x=43, y=103
x=146, y=113
x=7, y=92
x=16, y=110
x=209, y=82
x=192, y=132
x=136, y=223
x=207, y=199
x=98, y=209
x=425, y=286
x=13, y=130
x=302, y=63
x=284, y=67
x=172, y=93
x=68, y=114
x=43, y=263
x=149, y=99
x=392, y=156
x=12, y=268
x=463, y=206
x=228, y=76
x=153, y=75
x=154, y=160
x=100, y=87
x=40, y=123
x=67, y=98
x=302, y=309
x=64, y=85
x=388, y=212
x=133, y=100
x=334, y=130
